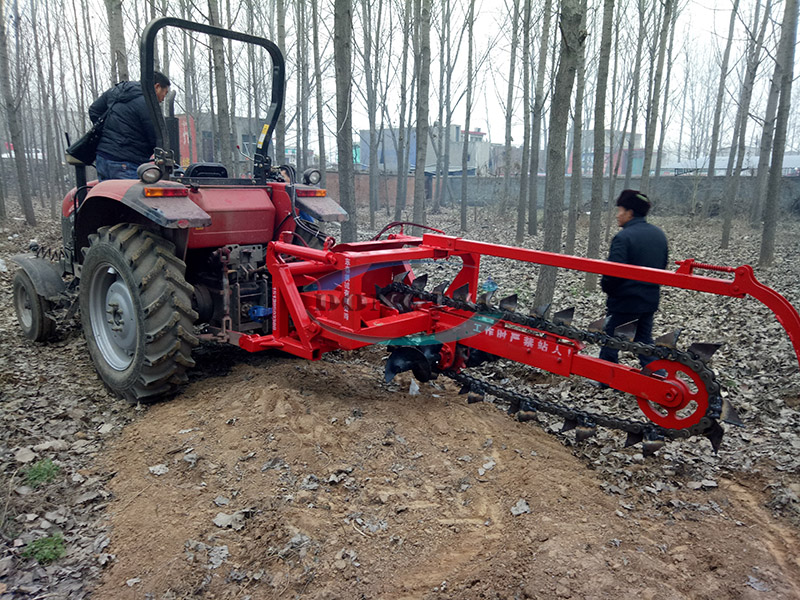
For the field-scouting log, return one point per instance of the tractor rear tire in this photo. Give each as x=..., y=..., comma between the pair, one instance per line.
x=136, y=311
x=31, y=309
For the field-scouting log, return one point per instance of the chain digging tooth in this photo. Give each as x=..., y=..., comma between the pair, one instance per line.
x=485, y=300
x=462, y=293
x=652, y=444
x=464, y=389
x=703, y=351
x=584, y=432
x=441, y=288
x=633, y=438
x=626, y=331
x=514, y=406
x=729, y=414
x=475, y=397
x=597, y=326
x=569, y=424
x=526, y=415
x=540, y=311
x=509, y=303
x=564, y=317
x=714, y=435
x=669, y=340
x=400, y=277
x=420, y=282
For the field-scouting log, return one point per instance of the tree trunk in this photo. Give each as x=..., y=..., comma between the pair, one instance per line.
x=510, y=105
x=526, y=127
x=538, y=110
x=637, y=77
x=280, y=126
x=468, y=114
x=572, y=41
x=221, y=83
x=323, y=161
x=402, y=142
x=576, y=181
x=423, y=90
x=342, y=48
x=663, y=131
x=652, y=121
x=116, y=32
x=595, y=218
x=784, y=66
x=14, y=125
x=723, y=74
x=371, y=73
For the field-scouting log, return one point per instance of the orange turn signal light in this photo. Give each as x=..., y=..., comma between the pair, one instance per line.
x=166, y=192
x=311, y=193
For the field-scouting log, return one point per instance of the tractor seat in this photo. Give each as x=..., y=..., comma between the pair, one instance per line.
x=216, y=170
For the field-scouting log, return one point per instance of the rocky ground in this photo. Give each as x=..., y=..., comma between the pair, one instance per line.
x=273, y=477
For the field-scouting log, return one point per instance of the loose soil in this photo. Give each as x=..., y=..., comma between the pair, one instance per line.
x=274, y=477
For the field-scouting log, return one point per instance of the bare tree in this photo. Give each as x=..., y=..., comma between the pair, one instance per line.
x=280, y=126
x=423, y=61
x=784, y=68
x=343, y=52
x=526, y=127
x=12, y=104
x=221, y=84
x=403, y=141
x=572, y=41
x=318, y=90
x=468, y=113
x=510, y=100
x=637, y=76
x=655, y=95
x=593, y=247
x=576, y=181
x=116, y=32
x=536, y=125
x=723, y=74
x=742, y=116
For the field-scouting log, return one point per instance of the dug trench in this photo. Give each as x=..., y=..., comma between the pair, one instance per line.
x=284, y=478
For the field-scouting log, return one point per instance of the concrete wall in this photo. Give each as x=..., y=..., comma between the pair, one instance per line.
x=669, y=194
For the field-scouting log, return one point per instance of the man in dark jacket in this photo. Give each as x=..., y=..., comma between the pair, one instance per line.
x=642, y=244
x=128, y=137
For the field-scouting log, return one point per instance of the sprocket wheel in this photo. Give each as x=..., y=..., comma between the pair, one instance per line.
x=136, y=312
x=693, y=405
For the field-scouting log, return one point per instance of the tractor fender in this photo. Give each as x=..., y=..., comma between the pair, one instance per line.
x=45, y=275
x=170, y=212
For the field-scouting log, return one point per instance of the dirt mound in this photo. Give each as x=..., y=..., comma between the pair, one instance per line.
x=293, y=479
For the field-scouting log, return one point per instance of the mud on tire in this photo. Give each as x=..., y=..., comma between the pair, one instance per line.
x=136, y=312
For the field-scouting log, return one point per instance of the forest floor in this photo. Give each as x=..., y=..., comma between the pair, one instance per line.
x=274, y=477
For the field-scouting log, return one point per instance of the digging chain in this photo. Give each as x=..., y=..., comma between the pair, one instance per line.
x=521, y=402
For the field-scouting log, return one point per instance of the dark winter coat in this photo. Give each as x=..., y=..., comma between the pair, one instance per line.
x=642, y=244
x=128, y=134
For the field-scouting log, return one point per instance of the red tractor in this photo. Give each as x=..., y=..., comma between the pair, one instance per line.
x=157, y=265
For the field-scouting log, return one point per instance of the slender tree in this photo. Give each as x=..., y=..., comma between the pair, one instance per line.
x=12, y=104
x=342, y=47
x=423, y=60
x=596, y=211
x=116, y=32
x=510, y=100
x=572, y=41
x=652, y=111
x=576, y=180
x=526, y=127
x=723, y=75
x=536, y=125
x=784, y=67
x=318, y=91
x=467, y=114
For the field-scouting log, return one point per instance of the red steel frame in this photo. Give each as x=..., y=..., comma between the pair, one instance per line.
x=308, y=321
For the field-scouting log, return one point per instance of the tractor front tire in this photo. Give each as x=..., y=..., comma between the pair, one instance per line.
x=31, y=309
x=136, y=311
